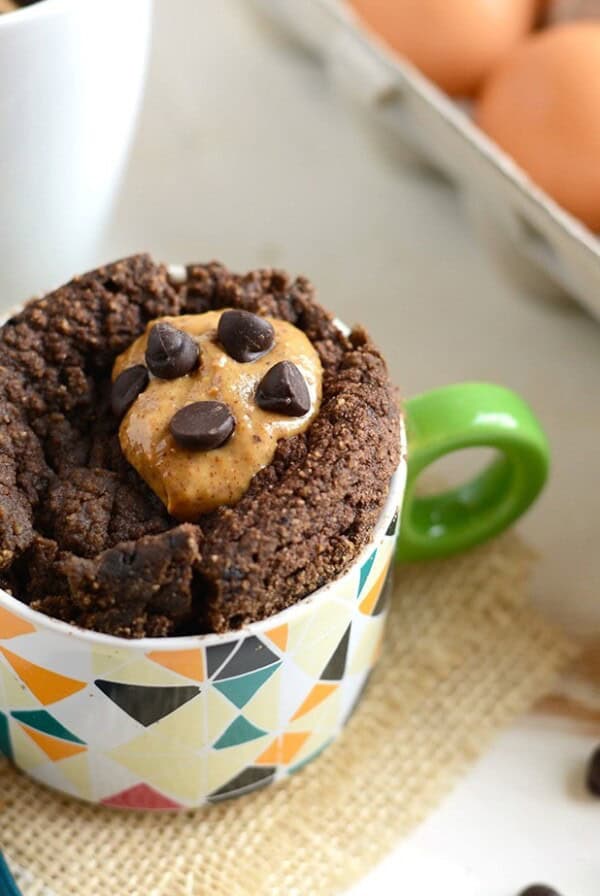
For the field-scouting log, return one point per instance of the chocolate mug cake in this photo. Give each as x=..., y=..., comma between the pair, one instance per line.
x=186, y=450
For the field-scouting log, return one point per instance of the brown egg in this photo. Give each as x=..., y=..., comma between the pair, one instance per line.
x=568, y=10
x=542, y=105
x=454, y=42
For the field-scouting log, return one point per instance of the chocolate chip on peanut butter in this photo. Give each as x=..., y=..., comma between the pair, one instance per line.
x=186, y=454
x=126, y=388
x=245, y=336
x=203, y=425
x=283, y=390
x=171, y=352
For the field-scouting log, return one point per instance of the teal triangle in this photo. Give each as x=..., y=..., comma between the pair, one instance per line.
x=240, y=690
x=365, y=570
x=43, y=721
x=239, y=732
x=5, y=744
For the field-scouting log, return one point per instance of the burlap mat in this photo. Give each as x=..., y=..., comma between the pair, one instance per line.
x=464, y=655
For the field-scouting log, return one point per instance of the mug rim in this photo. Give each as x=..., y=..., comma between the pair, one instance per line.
x=187, y=642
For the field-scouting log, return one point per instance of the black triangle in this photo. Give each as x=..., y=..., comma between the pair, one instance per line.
x=147, y=703
x=251, y=778
x=391, y=529
x=252, y=655
x=216, y=656
x=334, y=670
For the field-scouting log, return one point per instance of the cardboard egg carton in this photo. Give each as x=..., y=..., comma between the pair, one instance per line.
x=533, y=237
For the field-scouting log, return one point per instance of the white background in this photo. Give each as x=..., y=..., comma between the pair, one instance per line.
x=245, y=155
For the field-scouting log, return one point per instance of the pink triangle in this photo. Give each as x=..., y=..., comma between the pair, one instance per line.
x=141, y=797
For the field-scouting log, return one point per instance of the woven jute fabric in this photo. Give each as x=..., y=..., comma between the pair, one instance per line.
x=464, y=655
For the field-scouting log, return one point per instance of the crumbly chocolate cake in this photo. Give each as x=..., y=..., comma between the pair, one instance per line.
x=84, y=539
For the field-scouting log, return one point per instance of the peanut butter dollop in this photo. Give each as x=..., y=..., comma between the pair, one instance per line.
x=188, y=482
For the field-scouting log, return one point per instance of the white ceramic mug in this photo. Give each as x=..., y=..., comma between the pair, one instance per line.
x=71, y=79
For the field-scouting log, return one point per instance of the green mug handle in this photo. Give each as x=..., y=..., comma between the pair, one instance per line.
x=470, y=415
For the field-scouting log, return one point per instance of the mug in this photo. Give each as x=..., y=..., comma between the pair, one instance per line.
x=174, y=723
x=71, y=79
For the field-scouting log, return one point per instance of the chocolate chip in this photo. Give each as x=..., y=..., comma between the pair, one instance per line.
x=202, y=425
x=245, y=336
x=283, y=389
x=593, y=773
x=126, y=388
x=170, y=352
x=539, y=890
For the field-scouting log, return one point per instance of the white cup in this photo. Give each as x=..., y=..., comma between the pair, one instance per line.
x=71, y=80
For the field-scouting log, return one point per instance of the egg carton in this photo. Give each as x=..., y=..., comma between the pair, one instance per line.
x=533, y=238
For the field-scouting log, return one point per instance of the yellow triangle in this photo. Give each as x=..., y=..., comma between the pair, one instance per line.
x=53, y=747
x=47, y=686
x=298, y=629
x=363, y=655
x=106, y=660
x=319, y=693
x=76, y=770
x=143, y=671
x=16, y=694
x=189, y=663
x=326, y=631
x=368, y=603
x=263, y=709
x=279, y=636
x=220, y=712
x=184, y=739
x=12, y=625
x=181, y=777
x=27, y=753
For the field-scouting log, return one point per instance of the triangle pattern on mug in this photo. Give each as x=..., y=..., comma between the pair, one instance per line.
x=252, y=654
x=371, y=605
x=336, y=665
x=251, y=778
x=42, y=721
x=48, y=687
x=364, y=572
x=241, y=689
x=283, y=749
x=189, y=663
x=141, y=796
x=146, y=703
x=391, y=529
x=54, y=748
x=239, y=732
x=11, y=625
x=279, y=636
x=320, y=692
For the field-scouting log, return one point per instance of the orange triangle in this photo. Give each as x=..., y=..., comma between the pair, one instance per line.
x=279, y=636
x=320, y=691
x=12, y=625
x=47, y=686
x=53, y=747
x=283, y=749
x=189, y=663
x=370, y=600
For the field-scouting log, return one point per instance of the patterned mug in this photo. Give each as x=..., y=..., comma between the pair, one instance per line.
x=174, y=723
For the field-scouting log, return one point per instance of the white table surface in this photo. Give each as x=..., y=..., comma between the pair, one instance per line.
x=245, y=155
